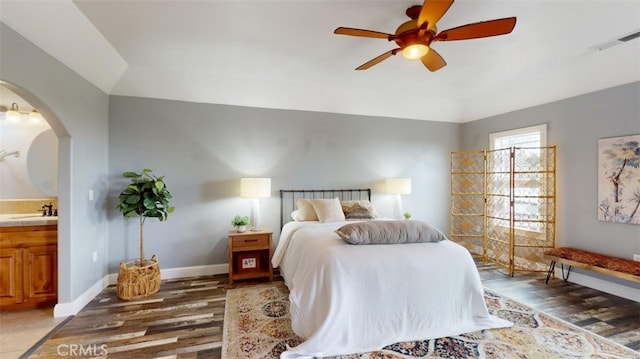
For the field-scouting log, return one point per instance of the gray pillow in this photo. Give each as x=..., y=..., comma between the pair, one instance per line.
x=389, y=232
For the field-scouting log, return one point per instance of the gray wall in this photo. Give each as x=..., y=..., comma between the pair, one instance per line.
x=574, y=126
x=77, y=112
x=205, y=149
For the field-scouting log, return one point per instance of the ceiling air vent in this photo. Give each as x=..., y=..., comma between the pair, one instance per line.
x=625, y=38
x=631, y=36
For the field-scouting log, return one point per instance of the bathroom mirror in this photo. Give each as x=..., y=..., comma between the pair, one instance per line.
x=42, y=163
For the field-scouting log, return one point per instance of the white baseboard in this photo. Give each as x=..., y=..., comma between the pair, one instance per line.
x=619, y=290
x=72, y=308
x=183, y=272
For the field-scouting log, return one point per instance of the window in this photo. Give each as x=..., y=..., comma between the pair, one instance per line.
x=535, y=136
x=529, y=182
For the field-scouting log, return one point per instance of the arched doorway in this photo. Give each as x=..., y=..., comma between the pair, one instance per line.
x=64, y=187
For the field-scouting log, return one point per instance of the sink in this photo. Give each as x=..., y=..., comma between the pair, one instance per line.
x=25, y=216
x=26, y=219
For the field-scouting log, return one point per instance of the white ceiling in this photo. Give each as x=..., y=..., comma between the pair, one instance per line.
x=283, y=54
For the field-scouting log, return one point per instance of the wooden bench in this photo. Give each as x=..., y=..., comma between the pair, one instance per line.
x=613, y=266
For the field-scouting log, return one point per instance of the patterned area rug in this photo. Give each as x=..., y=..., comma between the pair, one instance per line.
x=257, y=325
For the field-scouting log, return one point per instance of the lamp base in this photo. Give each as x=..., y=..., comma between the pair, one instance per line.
x=255, y=215
x=397, y=207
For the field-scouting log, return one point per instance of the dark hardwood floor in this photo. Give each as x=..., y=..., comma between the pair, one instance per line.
x=186, y=317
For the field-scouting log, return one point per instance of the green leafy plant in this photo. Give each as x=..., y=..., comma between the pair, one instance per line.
x=240, y=221
x=407, y=215
x=146, y=196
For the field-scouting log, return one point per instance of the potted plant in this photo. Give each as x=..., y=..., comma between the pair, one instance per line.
x=407, y=215
x=240, y=223
x=145, y=197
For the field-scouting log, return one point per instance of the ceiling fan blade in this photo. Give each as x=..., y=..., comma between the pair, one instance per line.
x=432, y=11
x=378, y=59
x=478, y=30
x=362, y=33
x=433, y=61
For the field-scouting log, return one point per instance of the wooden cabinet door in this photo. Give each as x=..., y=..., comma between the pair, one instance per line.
x=40, y=273
x=10, y=276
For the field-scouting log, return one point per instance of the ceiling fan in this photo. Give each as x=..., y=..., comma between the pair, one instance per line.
x=415, y=36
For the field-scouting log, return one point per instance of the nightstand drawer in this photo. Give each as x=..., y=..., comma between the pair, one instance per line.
x=250, y=241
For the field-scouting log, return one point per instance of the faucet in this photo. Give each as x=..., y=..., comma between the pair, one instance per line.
x=47, y=209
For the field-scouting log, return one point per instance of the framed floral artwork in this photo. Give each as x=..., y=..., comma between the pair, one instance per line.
x=619, y=179
x=249, y=262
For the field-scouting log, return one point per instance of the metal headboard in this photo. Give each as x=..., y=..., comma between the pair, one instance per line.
x=288, y=198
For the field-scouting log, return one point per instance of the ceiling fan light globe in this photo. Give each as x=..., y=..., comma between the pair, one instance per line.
x=415, y=51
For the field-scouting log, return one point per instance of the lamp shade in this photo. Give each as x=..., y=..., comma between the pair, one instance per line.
x=398, y=185
x=255, y=187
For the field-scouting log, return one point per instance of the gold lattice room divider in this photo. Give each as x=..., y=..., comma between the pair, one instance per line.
x=467, y=200
x=503, y=205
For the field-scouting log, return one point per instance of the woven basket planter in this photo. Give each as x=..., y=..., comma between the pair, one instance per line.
x=136, y=281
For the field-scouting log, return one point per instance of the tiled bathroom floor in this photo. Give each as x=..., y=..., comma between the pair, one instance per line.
x=19, y=330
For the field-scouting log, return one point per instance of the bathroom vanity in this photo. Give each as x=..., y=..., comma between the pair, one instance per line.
x=28, y=261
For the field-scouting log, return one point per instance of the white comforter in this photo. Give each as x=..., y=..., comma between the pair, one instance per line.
x=358, y=298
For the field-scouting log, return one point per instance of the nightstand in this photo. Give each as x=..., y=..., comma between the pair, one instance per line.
x=250, y=254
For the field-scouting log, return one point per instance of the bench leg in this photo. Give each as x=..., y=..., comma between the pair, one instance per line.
x=568, y=271
x=552, y=266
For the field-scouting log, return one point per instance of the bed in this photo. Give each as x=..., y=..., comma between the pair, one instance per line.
x=347, y=298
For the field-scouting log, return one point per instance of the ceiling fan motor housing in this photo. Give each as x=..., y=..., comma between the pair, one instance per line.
x=409, y=34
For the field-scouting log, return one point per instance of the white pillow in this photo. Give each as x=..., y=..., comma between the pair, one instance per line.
x=294, y=215
x=306, y=212
x=328, y=210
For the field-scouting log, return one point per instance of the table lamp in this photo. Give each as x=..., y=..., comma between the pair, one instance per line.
x=255, y=188
x=398, y=186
